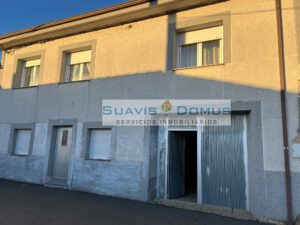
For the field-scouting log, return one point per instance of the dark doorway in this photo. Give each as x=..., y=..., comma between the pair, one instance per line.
x=182, y=182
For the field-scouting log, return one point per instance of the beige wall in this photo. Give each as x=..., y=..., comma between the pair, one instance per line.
x=128, y=49
x=141, y=47
x=254, y=59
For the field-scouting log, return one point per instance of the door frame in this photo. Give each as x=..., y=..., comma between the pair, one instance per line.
x=168, y=130
x=199, y=130
x=56, y=149
x=51, y=144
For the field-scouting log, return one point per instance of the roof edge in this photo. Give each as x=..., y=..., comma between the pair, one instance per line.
x=123, y=13
x=75, y=18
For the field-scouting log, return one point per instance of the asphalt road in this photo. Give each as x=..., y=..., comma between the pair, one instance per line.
x=26, y=204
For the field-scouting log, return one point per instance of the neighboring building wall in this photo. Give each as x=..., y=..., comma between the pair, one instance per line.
x=141, y=49
x=291, y=25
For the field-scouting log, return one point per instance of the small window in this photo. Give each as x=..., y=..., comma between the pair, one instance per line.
x=210, y=53
x=188, y=55
x=22, y=142
x=78, y=66
x=64, y=140
x=1, y=64
x=100, y=144
x=200, y=48
x=30, y=73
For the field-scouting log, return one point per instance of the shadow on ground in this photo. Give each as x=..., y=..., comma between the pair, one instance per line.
x=27, y=204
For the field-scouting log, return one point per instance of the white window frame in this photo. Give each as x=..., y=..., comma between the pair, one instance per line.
x=30, y=64
x=70, y=61
x=199, y=37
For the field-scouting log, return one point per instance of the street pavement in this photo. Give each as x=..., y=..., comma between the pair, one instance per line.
x=27, y=204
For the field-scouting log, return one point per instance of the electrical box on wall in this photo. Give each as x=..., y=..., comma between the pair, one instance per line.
x=296, y=147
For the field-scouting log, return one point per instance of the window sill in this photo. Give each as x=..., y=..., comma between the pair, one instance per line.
x=18, y=88
x=78, y=81
x=19, y=155
x=98, y=160
x=198, y=67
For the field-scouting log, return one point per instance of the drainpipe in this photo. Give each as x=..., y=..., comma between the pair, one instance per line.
x=298, y=107
x=1, y=65
x=284, y=112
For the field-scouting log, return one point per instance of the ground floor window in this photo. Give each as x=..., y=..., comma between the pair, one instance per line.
x=22, y=141
x=99, y=144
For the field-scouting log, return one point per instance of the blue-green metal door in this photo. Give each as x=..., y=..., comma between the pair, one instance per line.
x=176, y=169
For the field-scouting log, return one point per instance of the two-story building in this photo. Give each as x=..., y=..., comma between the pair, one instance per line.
x=55, y=76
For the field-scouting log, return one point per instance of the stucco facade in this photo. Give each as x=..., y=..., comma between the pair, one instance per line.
x=136, y=60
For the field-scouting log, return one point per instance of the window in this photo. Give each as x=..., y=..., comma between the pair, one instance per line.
x=1, y=64
x=22, y=142
x=30, y=73
x=78, y=66
x=100, y=144
x=200, y=48
x=64, y=139
x=210, y=53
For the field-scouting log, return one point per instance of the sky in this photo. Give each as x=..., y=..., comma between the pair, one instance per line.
x=19, y=14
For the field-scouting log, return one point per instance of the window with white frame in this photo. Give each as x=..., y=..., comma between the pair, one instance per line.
x=200, y=47
x=30, y=73
x=22, y=141
x=99, y=144
x=78, y=66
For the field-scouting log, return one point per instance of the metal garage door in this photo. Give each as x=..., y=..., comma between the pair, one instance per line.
x=223, y=170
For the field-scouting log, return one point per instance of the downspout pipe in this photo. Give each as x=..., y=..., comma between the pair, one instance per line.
x=282, y=71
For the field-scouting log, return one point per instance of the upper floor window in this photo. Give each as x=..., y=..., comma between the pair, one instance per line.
x=30, y=73
x=200, y=48
x=78, y=66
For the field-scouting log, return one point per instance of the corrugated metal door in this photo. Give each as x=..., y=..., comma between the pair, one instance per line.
x=62, y=153
x=176, y=170
x=223, y=173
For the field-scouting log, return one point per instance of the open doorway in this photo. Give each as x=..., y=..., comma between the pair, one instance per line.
x=182, y=169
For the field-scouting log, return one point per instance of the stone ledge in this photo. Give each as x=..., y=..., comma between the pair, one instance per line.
x=216, y=210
